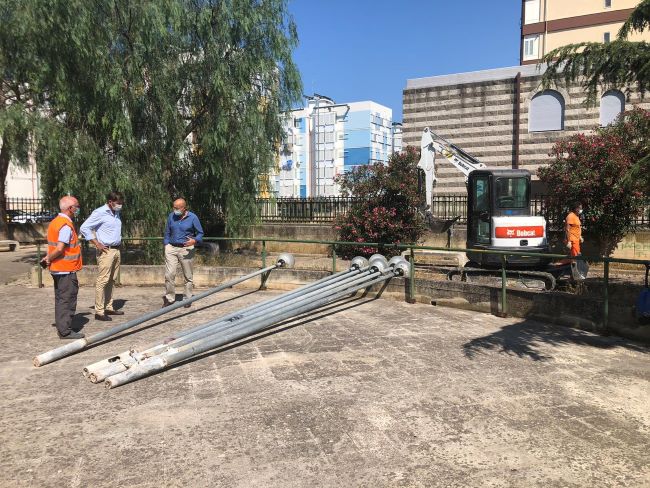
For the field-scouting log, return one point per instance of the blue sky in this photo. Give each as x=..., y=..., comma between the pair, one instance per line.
x=366, y=49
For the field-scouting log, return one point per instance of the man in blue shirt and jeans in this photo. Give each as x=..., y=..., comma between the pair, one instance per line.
x=182, y=232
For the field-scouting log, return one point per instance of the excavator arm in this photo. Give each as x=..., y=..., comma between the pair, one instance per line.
x=430, y=144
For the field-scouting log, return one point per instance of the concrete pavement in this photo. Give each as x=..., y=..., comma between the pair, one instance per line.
x=367, y=393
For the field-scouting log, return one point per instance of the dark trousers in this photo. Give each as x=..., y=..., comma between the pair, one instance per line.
x=66, y=288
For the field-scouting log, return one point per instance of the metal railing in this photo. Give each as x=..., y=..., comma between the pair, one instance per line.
x=304, y=210
x=410, y=248
x=29, y=210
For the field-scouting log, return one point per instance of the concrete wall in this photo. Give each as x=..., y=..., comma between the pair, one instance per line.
x=581, y=311
x=27, y=233
x=633, y=246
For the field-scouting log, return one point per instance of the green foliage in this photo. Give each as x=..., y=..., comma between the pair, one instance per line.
x=386, y=205
x=594, y=170
x=157, y=99
x=600, y=66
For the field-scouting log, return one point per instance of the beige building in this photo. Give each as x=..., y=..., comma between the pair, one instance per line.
x=549, y=24
x=503, y=117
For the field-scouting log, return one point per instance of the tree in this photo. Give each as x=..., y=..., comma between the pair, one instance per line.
x=385, y=207
x=157, y=99
x=593, y=169
x=601, y=66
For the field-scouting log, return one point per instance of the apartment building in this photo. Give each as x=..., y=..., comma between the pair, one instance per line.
x=325, y=139
x=549, y=24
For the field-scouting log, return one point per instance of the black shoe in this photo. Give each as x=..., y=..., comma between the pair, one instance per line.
x=114, y=312
x=72, y=335
x=166, y=303
x=103, y=318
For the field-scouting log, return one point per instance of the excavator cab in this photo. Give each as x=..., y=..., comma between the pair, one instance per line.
x=498, y=218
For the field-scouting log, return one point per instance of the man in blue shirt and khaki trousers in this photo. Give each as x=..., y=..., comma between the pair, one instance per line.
x=104, y=229
x=182, y=232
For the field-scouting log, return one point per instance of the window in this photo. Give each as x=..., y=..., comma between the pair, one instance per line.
x=546, y=112
x=531, y=47
x=512, y=192
x=606, y=37
x=531, y=11
x=611, y=104
x=608, y=3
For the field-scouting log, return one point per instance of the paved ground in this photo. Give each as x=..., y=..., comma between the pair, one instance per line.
x=371, y=393
x=15, y=265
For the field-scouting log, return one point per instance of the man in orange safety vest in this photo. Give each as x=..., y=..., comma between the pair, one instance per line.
x=573, y=229
x=63, y=258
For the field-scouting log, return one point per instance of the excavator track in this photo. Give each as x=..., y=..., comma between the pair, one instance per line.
x=463, y=272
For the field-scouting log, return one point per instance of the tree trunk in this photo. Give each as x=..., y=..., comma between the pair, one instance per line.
x=4, y=168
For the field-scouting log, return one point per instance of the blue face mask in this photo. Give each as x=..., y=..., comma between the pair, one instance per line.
x=178, y=212
x=77, y=211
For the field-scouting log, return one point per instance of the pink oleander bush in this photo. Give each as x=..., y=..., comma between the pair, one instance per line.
x=386, y=206
x=596, y=170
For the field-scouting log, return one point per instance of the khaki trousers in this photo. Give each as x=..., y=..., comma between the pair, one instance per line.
x=173, y=257
x=108, y=265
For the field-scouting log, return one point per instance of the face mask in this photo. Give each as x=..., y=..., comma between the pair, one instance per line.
x=117, y=208
x=178, y=212
x=580, y=212
x=77, y=211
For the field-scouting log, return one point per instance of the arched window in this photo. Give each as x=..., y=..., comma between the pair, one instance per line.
x=546, y=112
x=611, y=104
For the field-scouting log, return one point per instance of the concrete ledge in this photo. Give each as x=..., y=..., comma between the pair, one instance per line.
x=578, y=311
x=9, y=245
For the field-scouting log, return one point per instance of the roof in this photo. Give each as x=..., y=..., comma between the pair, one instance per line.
x=475, y=76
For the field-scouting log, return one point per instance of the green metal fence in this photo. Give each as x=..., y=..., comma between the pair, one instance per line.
x=410, y=248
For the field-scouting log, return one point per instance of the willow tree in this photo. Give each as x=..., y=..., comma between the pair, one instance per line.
x=601, y=66
x=159, y=99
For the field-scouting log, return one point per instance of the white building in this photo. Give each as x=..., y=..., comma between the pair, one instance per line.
x=326, y=139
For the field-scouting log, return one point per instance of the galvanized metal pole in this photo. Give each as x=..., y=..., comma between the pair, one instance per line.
x=81, y=344
x=411, y=288
x=154, y=364
x=39, y=270
x=606, y=295
x=504, y=283
x=101, y=369
x=263, y=277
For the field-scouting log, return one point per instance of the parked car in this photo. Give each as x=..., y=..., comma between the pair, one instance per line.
x=22, y=217
x=46, y=216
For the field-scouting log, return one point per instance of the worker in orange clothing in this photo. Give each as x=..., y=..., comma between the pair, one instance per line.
x=63, y=258
x=573, y=229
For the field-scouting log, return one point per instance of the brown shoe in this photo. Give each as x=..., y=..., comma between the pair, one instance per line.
x=102, y=318
x=166, y=303
x=114, y=312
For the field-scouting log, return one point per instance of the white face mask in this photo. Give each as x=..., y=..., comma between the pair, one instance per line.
x=178, y=212
x=580, y=212
x=117, y=207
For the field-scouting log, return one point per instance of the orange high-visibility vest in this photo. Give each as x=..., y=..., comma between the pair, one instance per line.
x=71, y=259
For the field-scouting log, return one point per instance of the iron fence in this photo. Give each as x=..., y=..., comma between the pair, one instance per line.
x=29, y=210
x=304, y=210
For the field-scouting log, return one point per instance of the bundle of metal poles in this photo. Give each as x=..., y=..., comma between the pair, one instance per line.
x=136, y=363
x=285, y=260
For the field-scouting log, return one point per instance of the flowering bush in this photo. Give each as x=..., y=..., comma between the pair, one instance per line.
x=595, y=170
x=386, y=206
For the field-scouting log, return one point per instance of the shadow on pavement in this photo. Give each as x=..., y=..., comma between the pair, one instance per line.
x=524, y=338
